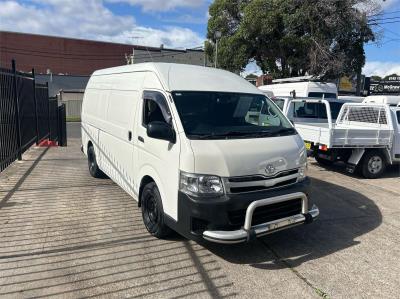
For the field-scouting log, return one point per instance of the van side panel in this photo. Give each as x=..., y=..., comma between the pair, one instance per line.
x=93, y=115
x=109, y=119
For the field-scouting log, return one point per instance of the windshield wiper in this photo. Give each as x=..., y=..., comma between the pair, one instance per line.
x=219, y=135
x=282, y=131
x=259, y=134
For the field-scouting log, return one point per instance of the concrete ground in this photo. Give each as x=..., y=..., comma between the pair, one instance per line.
x=64, y=234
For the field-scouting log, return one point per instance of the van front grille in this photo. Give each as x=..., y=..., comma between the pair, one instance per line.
x=254, y=183
x=254, y=178
x=267, y=213
x=260, y=188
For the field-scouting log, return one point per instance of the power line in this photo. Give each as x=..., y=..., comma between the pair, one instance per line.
x=115, y=58
x=385, y=13
x=378, y=23
x=392, y=32
x=80, y=55
x=384, y=19
x=390, y=40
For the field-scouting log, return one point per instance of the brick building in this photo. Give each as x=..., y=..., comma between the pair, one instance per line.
x=59, y=55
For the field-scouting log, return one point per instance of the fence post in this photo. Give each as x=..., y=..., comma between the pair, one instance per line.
x=17, y=120
x=36, y=111
x=48, y=105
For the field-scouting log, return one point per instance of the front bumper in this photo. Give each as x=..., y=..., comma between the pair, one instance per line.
x=222, y=219
x=249, y=232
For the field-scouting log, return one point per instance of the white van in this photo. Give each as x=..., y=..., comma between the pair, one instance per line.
x=303, y=89
x=180, y=140
x=268, y=93
x=383, y=99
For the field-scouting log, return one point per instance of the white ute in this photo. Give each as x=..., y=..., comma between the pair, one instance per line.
x=364, y=135
x=203, y=151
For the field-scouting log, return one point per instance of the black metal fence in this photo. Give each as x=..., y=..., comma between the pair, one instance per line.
x=27, y=115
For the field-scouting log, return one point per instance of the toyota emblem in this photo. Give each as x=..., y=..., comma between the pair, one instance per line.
x=270, y=169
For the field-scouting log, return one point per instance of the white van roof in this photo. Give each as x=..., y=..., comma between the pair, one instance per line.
x=180, y=77
x=302, y=88
x=382, y=99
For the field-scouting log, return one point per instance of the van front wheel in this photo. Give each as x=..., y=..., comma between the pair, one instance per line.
x=153, y=212
x=94, y=169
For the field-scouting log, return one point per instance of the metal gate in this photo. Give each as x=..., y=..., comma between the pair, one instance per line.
x=27, y=115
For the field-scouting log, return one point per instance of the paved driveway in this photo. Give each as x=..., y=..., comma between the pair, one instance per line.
x=64, y=234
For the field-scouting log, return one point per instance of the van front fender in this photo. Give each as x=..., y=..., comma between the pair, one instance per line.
x=149, y=171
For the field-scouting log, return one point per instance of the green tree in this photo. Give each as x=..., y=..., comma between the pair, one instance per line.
x=388, y=76
x=290, y=37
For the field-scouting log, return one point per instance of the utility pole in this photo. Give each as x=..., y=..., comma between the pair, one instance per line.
x=359, y=70
x=217, y=36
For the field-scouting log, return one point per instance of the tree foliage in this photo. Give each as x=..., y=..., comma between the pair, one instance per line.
x=290, y=37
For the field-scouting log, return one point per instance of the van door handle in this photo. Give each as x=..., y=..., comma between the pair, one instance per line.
x=130, y=135
x=140, y=138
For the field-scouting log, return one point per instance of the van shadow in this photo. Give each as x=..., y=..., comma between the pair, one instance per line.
x=345, y=215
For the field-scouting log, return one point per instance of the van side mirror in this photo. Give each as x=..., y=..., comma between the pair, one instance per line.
x=161, y=130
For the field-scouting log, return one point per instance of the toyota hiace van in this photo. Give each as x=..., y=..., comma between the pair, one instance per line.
x=203, y=151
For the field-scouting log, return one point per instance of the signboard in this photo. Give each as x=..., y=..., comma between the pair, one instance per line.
x=348, y=84
x=390, y=86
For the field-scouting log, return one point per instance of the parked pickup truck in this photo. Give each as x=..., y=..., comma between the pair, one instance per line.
x=365, y=136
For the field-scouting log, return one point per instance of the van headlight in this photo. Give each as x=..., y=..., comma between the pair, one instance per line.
x=200, y=185
x=303, y=169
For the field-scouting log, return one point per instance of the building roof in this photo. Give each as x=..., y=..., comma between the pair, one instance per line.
x=99, y=42
x=71, y=56
x=181, y=77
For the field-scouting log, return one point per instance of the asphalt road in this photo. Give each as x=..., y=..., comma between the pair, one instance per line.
x=66, y=235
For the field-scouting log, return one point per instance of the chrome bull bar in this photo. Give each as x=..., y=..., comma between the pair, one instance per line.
x=249, y=232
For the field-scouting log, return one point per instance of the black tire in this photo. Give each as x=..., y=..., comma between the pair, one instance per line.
x=323, y=162
x=94, y=169
x=373, y=164
x=153, y=212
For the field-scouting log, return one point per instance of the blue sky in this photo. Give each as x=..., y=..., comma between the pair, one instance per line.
x=174, y=23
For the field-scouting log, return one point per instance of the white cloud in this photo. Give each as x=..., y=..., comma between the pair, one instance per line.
x=389, y=4
x=161, y=5
x=172, y=37
x=88, y=19
x=381, y=69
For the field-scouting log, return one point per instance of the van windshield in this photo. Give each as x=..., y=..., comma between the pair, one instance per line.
x=222, y=115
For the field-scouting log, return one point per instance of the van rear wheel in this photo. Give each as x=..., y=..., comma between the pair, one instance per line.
x=94, y=169
x=153, y=212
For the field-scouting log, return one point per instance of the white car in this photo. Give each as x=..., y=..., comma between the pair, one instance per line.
x=203, y=151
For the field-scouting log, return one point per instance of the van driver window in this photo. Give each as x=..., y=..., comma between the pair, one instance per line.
x=152, y=112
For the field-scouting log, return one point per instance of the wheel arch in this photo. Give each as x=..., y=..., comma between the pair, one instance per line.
x=144, y=181
x=147, y=175
x=383, y=151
